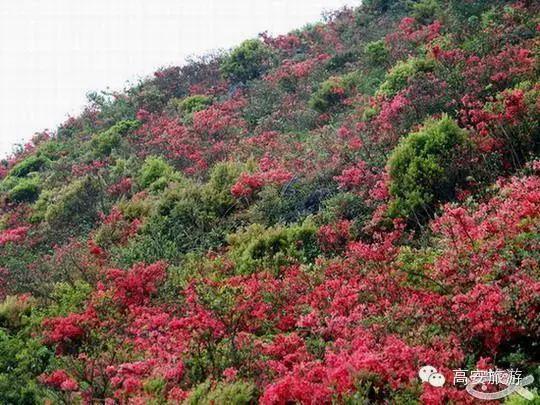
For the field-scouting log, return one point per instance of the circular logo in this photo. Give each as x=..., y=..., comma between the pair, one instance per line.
x=436, y=379
x=425, y=372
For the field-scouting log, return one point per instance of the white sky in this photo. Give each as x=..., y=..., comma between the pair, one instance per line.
x=53, y=52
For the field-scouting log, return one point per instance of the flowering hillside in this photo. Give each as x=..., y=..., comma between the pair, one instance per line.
x=308, y=218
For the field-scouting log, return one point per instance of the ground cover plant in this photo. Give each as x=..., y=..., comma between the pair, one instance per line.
x=308, y=218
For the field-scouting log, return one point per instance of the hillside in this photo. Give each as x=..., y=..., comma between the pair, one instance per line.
x=308, y=218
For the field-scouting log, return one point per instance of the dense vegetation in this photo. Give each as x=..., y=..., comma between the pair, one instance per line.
x=309, y=218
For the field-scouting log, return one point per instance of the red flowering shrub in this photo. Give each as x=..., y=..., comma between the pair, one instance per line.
x=135, y=286
x=270, y=173
x=65, y=332
x=334, y=237
x=244, y=239
x=122, y=187
x=13, y=235
x=60, y=380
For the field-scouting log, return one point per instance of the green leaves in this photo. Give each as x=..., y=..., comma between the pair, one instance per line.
x=396, y=79
x=246, y=62
x=25, y=190
x=156, y=174
x=423, y=168
x=105, y=142
x=31, y=164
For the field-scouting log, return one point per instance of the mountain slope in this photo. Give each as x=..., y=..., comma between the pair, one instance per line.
x=307, y=218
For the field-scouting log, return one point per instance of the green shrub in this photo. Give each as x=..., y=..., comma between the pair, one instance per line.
x=30, y=164
x=75, y=204
x=517, y=399
x=377, y=6
x=105, y=142
x=25, y=190
x=52, y=150
x=264, y=98
x=424, y=169
x=188, y=218
x=194, y=103
x=330, y=93
x=149, y=97
x=425, y=11
x=68, y=298
x=345, y=205
x=377, y=52
x=246, y=62
x=397, y=78
x=155, y=385
x=39, y=208
x=156, y=174
x=217, y=192
x=136, y=208
x=12, y=310
x=236, y=393
x=22, y=360
x=257, y=247
x=340, y=60
x=122, y=128
x=290, y=204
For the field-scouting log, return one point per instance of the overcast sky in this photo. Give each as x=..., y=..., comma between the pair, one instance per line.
x=53, y=52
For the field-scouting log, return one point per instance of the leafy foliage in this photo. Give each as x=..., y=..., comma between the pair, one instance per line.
x=246, y=62
x=422, y=167
x=24, y=190
x=307, y=218
x=30, y=164
x=398, y=77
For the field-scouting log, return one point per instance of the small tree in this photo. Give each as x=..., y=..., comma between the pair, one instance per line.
x=156, y=174
x=194, y=103
x=105, y=142
x=25, y=190
x=426, y=167
x=246, y=62
x=31, y=164
x=333, y=91
x=397, y=78
x=377, y=52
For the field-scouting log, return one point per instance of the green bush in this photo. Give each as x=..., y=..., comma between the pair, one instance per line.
x=236, y=393
x=105, y=142
x=194, y=103
x=156, y=174
x=246, y=62
x=340, y=60
x=12, y=310
x=517, y=399
x=377, y=6
x=331, y=92
x=136, y=208
x=424, y=169
x=31, y=164
x=149, y=97
x=345, y=205
x=289, y=204
x=425, y=11
x=187, y=218
x=75, y=204
x=217, y=192
x=39, y=208
x=24, y=190
x=22, y=360
x=257, y=247
x=397, y=78
x=376, y=52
